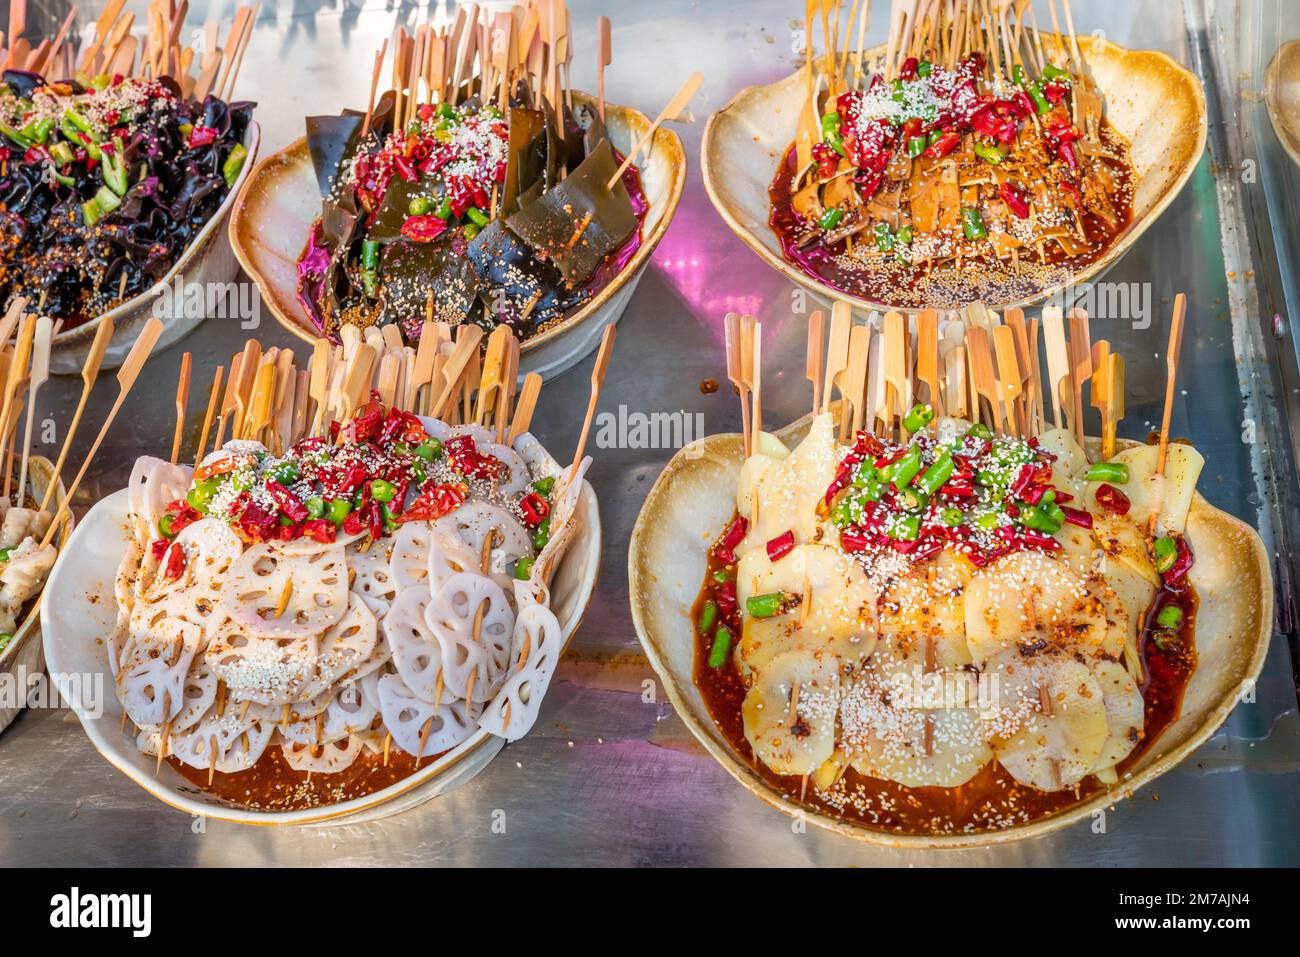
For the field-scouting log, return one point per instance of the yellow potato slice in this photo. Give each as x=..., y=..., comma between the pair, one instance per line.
x=789, y=712
x=1048, y=749
x=1125, y=717
x=929, y=602
x=768, y=452
x=789, y=494
x=1031, y=600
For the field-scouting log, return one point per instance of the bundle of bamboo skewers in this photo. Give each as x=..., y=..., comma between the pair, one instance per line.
x=981, y=366
x=115, y=50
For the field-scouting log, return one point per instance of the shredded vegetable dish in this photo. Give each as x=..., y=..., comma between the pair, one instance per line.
x=944, y=185
x=104, y=181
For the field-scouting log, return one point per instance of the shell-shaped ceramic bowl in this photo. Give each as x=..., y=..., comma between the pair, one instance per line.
x=281, y=200
x=1157, y=104
x=23, y=657
x=1282, y=95
x=206, y=263
x=694, y=499
x=80, y=612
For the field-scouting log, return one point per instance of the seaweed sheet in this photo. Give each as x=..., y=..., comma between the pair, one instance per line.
x=579, y=222
x=518, y=281
x=525, y=159
x=410, y=270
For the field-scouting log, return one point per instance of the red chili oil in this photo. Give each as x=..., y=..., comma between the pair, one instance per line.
x=990, y=801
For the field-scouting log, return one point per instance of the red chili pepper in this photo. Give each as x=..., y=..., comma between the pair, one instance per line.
x=1073, y=192
x=175, y=564
x=535, y=509
x=436, y=501
x=854, y=540
x=1112, y=499
x=355, y=523
x=725, y=596
x=425, y=112
x=1176, y=577
x=733, y=536
x=424, y=229
x=405, y=169
x=159, y=548
x=255, y=524
x=1065, y=152
x=828, y=160
x=908, y=71
x=781, y=546
x=288, y=533
x=287, y=502
x=320, y=530
x=202, y=136
x=944, y=145
x=1055, y=92
x=1076, y=516
x=1015, y=202
x=912, y=128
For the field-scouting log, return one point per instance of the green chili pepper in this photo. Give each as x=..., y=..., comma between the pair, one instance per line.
x=906, y=468
x=1165, y=640
x=234, y=164
x=979, y=431
x=5, y=638
x=430, y=450
x=872, y=491
x=38, y=131
x=79, y=122
x=830, y=219
x=1116, y=473
x=62, y=154
x=1170, y=616
x=933, y=137
x=6, y=552
x=834, y=140
x=315, y=506
x=100, y=205
x=544, y=485
x=16, y=136
x=477, y=216
x=913, y=499
x=721, y=646
x=1035, y=518
x=904, y=235
x=916, y=146
x=972, y=224
x=937, y=474
x=951, y=516
x=1041, y=103
x=864, y=474
x=842, y=514
x=831, y=121
x=522, y=569
x=769, y=605
x=447, y=111
x=471, y=230
x=164, y=526
x=1166, y=553
x=419, y=205
x=286, y=473
x=337, y=510
x=884, y=237
x=988, y=153
x=542, y=533
x=906, y=529
x=1020, y=76
x=986, y=522
x=924, y=68
x=382, y=491
x=1051, y=72
x=708, y=617
x=722, y=576
x=115, y=169
x=369, y=254
x=918, y=417
x=444, y=209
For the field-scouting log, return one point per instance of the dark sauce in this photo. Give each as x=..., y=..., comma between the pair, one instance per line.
x=990, y=801
x=272, y=785
x=950, y=284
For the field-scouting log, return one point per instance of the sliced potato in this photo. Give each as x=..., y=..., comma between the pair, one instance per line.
x=768, y=451
x=1030, y=599
x=1120, y=538
x=1052, y=747
x=1168, y=496
x=789, y=712
x=790, y=493
x=919, y=729
x=1125, y=715
x=1070, y=458
x=840, y=617
x=916, y=606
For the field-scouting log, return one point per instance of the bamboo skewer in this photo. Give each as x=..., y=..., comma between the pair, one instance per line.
x=597, y=380
x=736, y=375
x=89, y=372
x=681, y=99
x=214, y=399
x=126, y=377
x=815, y=364
x=40, y=372
x=182, y=402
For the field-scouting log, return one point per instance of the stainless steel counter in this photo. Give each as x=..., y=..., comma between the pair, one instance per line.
x=609, y=776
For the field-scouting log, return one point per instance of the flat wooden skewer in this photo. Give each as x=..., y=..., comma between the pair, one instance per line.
x=182, y=403
x=597, y=380
x=681, y=99
x=604, y=57
x=815, y=362
x=89, y=371
x=1172, y=355
x=40, y=372
x=126, y=377
x=837, y=355
x=214, y=399
x=524, y=408
x=735, y=373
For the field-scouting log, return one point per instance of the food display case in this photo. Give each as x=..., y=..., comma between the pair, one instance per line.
x=610, y=775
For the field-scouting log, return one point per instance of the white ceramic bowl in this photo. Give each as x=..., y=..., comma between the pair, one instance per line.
x=80, y=610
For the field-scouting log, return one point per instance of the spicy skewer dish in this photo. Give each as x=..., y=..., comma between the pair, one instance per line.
x=973, y=158
x=924, y=616
x=116, y=167
x=35, y=519
x=360, y=591
x=480, y=188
